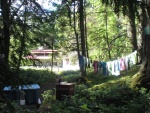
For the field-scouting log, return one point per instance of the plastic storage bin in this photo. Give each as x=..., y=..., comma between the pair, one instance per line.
x=31, y=93
x=11, y=93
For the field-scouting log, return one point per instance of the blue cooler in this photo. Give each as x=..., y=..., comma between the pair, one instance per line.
x=31, y=93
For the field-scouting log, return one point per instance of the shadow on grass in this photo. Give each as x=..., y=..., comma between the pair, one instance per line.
x=99, y=79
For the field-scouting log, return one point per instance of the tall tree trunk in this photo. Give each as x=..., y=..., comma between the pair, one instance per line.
x=5, y=75
x=82, y=34
x=143, y=78
x=144, y=81
x=6, y=25
x=131, y=16
x=143, y=24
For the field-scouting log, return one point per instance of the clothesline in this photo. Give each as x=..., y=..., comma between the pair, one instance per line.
x=114, y=67
x=110, y=67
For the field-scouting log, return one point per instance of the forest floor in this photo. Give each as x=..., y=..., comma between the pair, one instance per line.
x=52, y=86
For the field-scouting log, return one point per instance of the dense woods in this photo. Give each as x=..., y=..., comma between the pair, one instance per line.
x=101, y=30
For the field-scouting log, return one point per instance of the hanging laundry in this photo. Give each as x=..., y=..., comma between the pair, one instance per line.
x=118, y=64
x=134, y=57
x=104, y=68
x=88, y=63
x=122, y=64
x=85, y=61
x=108, y=65
x=109, y=68
x=95, y=65
x=130, y=61
x=112, y=64
x=116, y=71
x=114, y=67
x=81, y=62
x=100, y=68
x=127, y=62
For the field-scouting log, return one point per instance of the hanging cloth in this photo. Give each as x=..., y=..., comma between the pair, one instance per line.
x=95, y=66
x=115, y=69
x=81, y=62
x=104, y=68
x=122, y=64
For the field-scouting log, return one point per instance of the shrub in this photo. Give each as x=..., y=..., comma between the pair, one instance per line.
x=31, y=76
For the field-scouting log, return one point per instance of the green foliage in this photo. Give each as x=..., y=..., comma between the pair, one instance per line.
x=70, y=76
x=48, y=98
x=106, y=32
x=32, y=76
x=13, y=107
x=112, y=94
